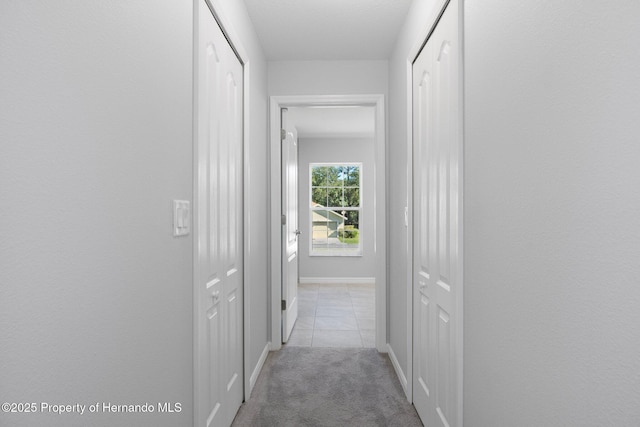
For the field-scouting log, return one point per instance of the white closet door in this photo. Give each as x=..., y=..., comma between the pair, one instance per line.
x=218, y=216
x=437, y=224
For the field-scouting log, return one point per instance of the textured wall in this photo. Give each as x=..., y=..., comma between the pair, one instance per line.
x=327, y=77
x=96, y=140
x=552, y=195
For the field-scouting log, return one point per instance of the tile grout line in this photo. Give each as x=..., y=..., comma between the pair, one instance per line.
x=352, y=313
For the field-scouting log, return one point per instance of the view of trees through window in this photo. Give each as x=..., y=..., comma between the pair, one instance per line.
x=335, y=209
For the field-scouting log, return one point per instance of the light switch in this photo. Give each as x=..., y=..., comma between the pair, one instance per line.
x=181, y=217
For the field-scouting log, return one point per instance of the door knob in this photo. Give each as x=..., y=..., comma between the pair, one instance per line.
x=298, y=232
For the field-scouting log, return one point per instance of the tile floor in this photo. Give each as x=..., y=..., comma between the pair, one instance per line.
x=335, y=316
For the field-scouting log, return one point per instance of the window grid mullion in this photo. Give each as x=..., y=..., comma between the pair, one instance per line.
x=337, y=180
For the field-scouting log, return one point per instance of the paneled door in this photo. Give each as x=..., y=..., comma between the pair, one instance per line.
x=290, y=230
x=437, y=170
x=218, y=271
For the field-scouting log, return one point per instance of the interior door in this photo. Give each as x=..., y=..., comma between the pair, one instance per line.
x=290, y=230
x=218, y=267
x=437, y=221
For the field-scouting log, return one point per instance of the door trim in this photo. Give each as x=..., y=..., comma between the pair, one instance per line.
x=275, y=261
x=215, y=6
x=421, y=41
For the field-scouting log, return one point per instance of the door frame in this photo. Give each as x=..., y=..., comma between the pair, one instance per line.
x=412, y=55
x=274, y=232
x=215, y=6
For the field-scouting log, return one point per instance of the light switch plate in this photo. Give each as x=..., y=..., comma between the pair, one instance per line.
x=181, y=217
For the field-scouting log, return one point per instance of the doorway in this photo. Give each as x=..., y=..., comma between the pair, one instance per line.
x=337, y=260
x=345, y=219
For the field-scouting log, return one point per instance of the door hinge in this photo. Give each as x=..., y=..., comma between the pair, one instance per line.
x=283, y=220
x=283, y=134
x=283, y=304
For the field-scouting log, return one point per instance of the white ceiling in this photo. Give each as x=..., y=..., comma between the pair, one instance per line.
x=327, y=29
x=354, y=122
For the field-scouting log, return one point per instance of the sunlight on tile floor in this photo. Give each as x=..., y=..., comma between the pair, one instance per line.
x=335, y=316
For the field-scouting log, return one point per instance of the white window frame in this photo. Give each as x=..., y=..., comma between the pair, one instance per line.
x=338, y=252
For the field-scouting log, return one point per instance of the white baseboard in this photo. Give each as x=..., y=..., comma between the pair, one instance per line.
x=396, y=365
x=337, y=280
x=258, y=368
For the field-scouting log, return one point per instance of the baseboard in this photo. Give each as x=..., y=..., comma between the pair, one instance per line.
x=258, y=368
x=396, y=365
x=337, y=280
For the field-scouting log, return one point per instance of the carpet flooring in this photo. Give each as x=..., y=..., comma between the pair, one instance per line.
x=327, y=387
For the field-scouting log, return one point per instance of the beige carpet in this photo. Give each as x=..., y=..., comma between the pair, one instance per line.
x=327, y=387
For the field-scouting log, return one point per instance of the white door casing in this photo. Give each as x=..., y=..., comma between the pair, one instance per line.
x=218, y=269
x=437, y=205
x=290, y=228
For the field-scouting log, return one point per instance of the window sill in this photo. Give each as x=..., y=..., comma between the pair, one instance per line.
x=336, y=254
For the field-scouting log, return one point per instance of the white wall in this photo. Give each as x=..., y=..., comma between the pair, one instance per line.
x=256, y=165
x=419, y=18
x=348, y=150
x=327, y=77
x=96, y=140
x=552, y=195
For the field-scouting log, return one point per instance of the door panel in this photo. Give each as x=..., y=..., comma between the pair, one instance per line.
x=436, y=167
x=214, y=333
x=290, y=229
x=424, y=362
x=443, y=340
x=218, y=219
x=232, y=205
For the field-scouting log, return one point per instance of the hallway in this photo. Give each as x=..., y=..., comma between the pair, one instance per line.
x=112, y=290
x=328, y=387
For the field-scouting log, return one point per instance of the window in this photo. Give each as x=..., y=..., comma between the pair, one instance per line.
x=336, y=209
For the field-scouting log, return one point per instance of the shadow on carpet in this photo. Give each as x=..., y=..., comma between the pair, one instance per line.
x=303, y=386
